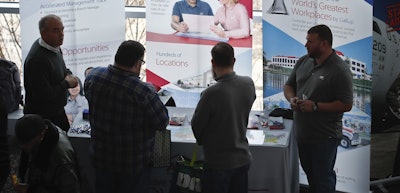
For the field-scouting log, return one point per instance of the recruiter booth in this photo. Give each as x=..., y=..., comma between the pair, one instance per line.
x=274, y=167
x=174, y=67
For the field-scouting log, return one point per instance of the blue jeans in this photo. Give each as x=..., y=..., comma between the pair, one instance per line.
x=225, y=181
x=107, y=182
x=318, y=160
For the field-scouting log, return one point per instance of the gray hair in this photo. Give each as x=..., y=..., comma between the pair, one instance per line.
x=43, y=21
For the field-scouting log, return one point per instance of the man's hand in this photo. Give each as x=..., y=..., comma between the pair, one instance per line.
x=305, y=105
x=294, y=103
x=182, y=27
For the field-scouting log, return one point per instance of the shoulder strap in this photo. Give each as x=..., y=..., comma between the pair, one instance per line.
x=194, y=155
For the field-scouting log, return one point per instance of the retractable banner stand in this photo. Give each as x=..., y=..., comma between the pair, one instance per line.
x=179, y=63
x=386, y=66
x=93, y=29
x=385, y=94
x=285, y=26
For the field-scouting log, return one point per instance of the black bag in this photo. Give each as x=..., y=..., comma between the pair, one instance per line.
x=282, y=112
x=10, y=85
x=187, y=175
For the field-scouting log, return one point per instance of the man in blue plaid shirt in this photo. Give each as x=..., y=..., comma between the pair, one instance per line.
x=124, y=115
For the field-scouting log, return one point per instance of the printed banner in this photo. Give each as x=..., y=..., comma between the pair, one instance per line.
x=179, y=63
x=386, y=67
x=93, y=29
x=285, y=26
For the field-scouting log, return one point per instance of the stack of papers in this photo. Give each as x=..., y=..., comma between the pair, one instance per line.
x=199, y=27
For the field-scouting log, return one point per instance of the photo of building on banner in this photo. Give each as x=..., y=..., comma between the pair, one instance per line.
x=285, y=25
x=179, y=38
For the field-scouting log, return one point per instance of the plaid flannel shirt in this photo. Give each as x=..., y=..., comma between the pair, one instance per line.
x=124, y=114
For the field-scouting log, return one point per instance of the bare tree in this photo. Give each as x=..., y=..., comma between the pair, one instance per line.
x=135, y=29
x=10, y=40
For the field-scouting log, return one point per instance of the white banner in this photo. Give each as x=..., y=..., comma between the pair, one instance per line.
x=180, y=62
x=93, y=29
x=285, y=26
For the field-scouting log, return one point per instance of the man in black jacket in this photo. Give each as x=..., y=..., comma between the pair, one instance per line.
x=53, y=167
x=4, y=151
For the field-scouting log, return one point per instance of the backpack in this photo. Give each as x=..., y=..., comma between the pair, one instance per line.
x=10, y=85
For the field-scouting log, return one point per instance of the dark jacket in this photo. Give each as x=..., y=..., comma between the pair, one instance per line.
x=53, y=167
x=45, y=87
x=4, y=151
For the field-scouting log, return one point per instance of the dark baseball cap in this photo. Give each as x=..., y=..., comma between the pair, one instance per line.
x=28, y=127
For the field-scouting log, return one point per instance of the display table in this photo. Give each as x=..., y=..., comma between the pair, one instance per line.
x=275, y=165
x=274, y=169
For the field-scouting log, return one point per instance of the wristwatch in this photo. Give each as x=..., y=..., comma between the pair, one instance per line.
x=315, y=107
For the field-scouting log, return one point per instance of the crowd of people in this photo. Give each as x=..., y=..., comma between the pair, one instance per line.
x=125, y=113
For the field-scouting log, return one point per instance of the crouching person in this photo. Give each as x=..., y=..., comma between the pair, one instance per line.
x=52, y=167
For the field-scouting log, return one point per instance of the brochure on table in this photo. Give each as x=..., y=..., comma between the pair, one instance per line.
x=181, y=131
x=258, y=133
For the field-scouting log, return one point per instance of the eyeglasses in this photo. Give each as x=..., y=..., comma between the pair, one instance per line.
x=143, y=62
